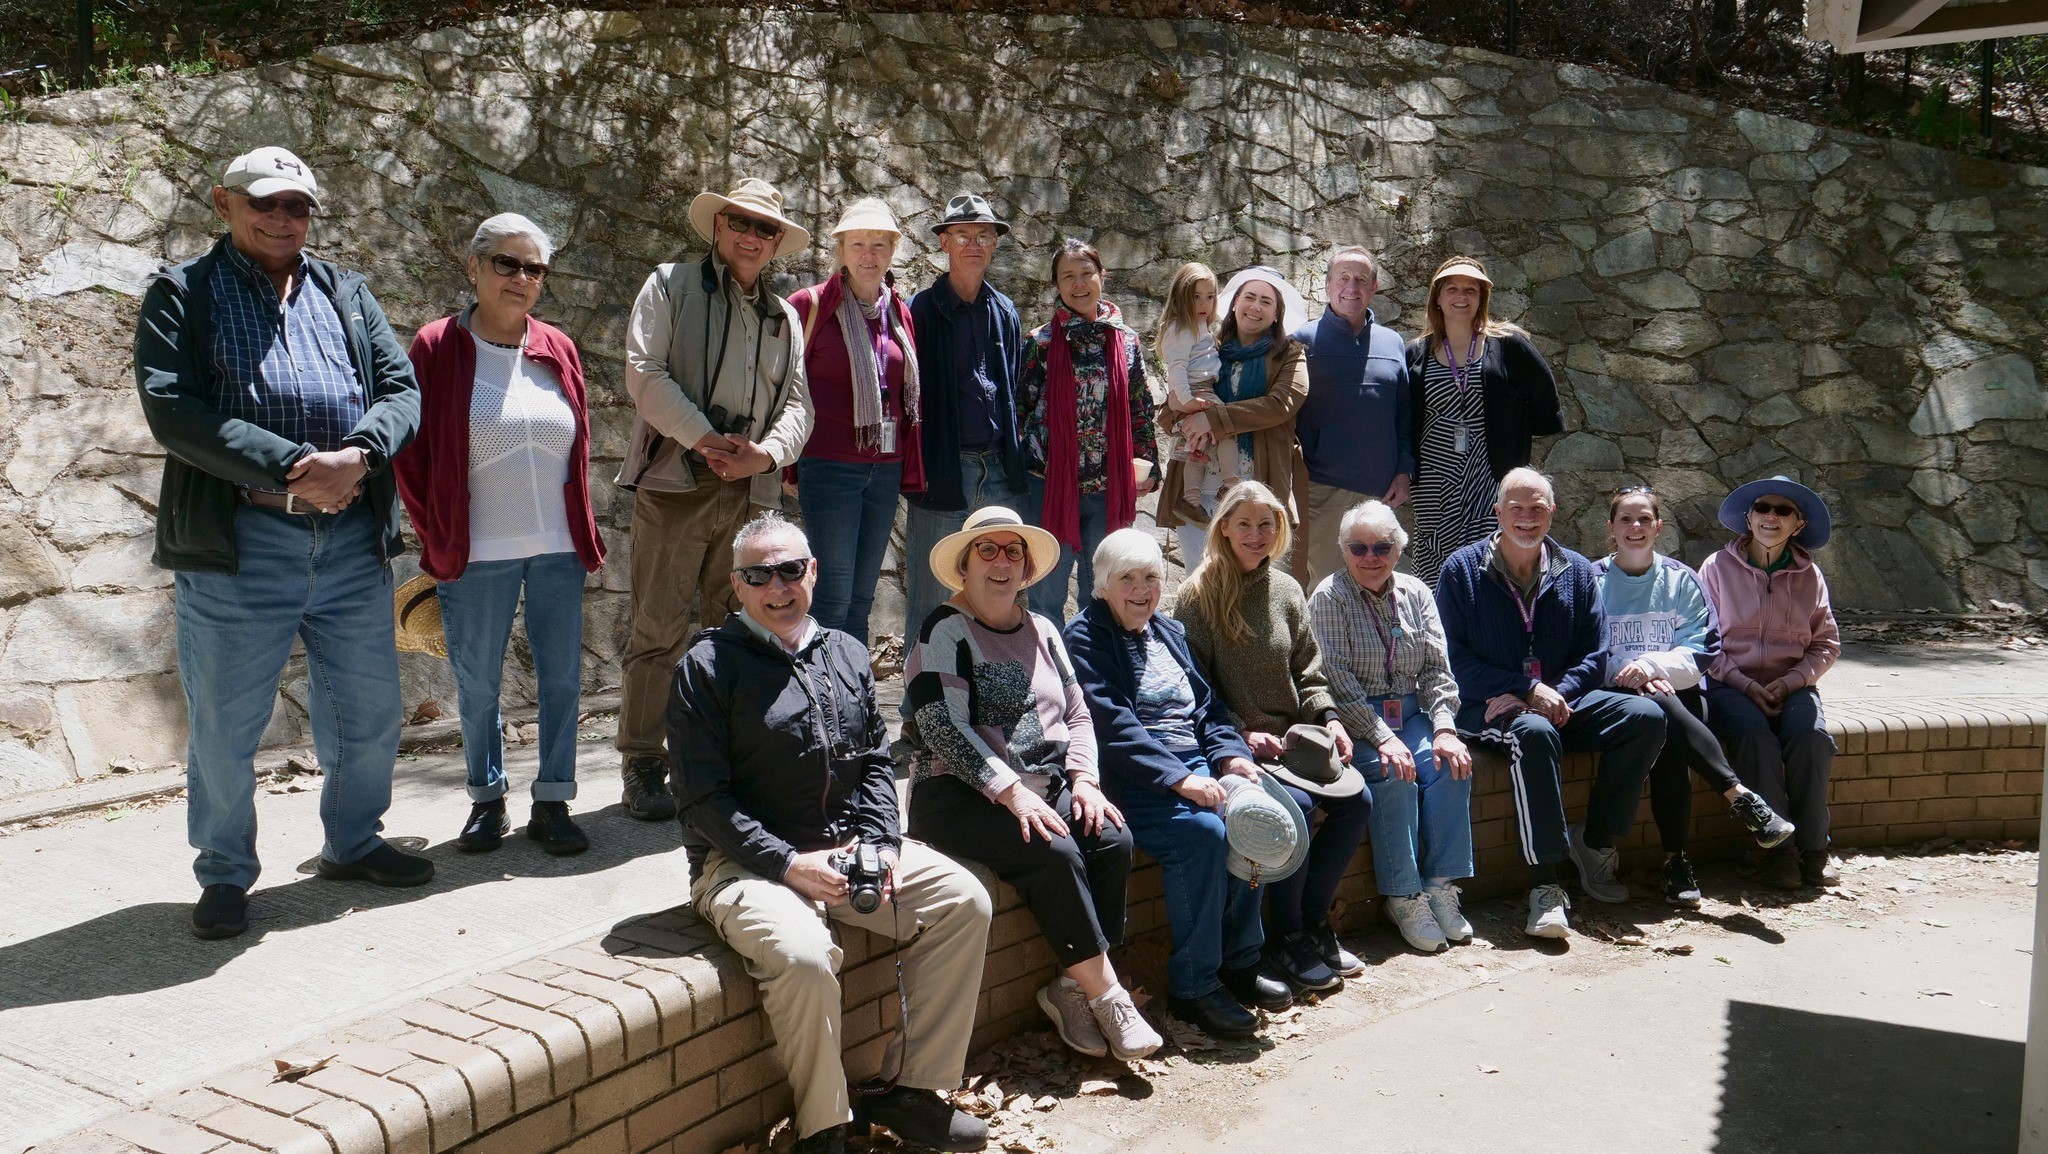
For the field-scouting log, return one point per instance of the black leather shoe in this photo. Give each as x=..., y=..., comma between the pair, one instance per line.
x=486, y=827
x=831, y=1140
x=551, y=827
x=921, y=1118
x=1813, y=868
x=646, y=794
x=221, y=912
x=1294, y=959
x=383, y=866
x=1256, y=990
x=1217, y=1014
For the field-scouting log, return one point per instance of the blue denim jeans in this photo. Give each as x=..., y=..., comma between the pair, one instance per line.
x=1421, y=829
x=849, y=511
x=476, y=618
x=985, y=484
x=1049, y=597
x=1303, y=898
x=1214, y=916
x=313, y=577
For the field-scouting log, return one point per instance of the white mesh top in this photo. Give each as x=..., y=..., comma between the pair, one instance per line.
x=520, y=432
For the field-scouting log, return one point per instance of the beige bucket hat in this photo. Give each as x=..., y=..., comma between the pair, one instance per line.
x=755, y=197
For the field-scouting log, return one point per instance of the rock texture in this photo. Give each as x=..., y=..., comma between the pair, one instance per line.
x=1723, y=293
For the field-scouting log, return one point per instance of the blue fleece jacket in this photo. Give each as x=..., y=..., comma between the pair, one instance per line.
x=1354, y=428
x=1485, y=628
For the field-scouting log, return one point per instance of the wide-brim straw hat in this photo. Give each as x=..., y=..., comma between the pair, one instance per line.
x=416, y=612
x=1266, y=831
x=1820, y=524
x=1460, y=267
x=1293, y=307
x=1310, y=763
x=1043, y=547
x=755, y=197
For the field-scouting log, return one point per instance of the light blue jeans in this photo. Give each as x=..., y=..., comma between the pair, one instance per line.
x=476, y=617
x=317, y=578
x=984, y=482
x=1048, y=597
x=849, y=511
x=1423, y=828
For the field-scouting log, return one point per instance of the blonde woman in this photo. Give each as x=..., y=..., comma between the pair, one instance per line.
x=1481, y=394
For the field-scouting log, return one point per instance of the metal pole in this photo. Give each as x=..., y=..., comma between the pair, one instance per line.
x=1514, y=19
x=1906, y=76
x=81, y=52
x=1984, y=88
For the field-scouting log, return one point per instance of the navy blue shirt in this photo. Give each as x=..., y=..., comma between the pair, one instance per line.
x=281, y=363
x=976, y=397
x=1353, y=428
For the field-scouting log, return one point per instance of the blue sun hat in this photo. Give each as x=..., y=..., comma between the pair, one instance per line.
x=1814, y=511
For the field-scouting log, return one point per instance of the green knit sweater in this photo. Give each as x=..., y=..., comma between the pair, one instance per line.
x=1274, y=678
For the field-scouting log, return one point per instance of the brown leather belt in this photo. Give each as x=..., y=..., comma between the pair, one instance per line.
x=285, y=502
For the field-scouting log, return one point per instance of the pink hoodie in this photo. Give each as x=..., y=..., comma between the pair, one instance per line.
x=1772, y=624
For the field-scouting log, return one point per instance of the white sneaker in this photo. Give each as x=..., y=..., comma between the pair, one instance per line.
x=1067, y=1006
x=1547, y=904
x=1410, y=914
x=1599, y=869
x=1443, y=905
x=1129, y=1035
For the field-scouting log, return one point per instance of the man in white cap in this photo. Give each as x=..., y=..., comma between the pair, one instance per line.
x=715, y=366
x=1354, y=427
x=280, y=394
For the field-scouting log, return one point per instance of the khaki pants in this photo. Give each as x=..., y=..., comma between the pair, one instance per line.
x=1323, y=513
x=682, y=561
x=788, y=946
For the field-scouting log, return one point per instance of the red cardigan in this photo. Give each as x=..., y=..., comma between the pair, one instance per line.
x=830, y=378
x=433, y=472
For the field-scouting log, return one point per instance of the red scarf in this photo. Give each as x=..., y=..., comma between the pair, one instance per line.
x=1062, y=514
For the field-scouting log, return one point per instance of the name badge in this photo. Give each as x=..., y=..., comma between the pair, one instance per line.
x=1461, y=441
x=1532, y=668
x=888, y=437
x=1390, y=709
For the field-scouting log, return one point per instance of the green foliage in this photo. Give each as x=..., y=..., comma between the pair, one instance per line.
x=1937, y=120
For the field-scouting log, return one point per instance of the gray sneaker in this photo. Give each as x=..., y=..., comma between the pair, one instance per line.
x=1129, y=1035
x=1547, y=906
x=1599, y=869
x=1067, y=1006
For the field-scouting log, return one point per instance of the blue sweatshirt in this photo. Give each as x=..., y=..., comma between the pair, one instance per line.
x=1354, y=427
x=1661, y=617
x=1485, y=629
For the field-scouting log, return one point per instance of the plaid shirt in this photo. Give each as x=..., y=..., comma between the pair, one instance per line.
x=1355, y=656
x=283, y=364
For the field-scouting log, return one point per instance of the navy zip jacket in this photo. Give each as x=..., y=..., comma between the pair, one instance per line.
x=1488, y=640
x=1130, y=757
x=931, y=318
x=1354, y=428
x=748, y=732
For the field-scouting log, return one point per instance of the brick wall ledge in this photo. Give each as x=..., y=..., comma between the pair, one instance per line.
x=651, y=1039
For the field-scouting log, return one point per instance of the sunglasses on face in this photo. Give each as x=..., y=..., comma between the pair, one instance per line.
x=1774, y=509
x=765, y=229
x=790, y=571
x=295, y=207
x=988, y=550
x=1376, y=549
x=509, y=266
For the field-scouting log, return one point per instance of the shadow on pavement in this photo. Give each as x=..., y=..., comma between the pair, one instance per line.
x=1794, y=1080
x=150, y=947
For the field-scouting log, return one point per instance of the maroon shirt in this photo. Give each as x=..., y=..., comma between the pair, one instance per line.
x=830, y=376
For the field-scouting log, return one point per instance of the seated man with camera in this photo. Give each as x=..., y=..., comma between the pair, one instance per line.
x=788, y=801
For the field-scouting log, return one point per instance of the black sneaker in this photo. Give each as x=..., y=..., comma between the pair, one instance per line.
x=551, y=827
x=1253, y=988
x=221, y=912
x=921, y=1118
x=1781, y=869
x=830, y=1140
x=1813, y=868
x=486, y=828
x=1681, y=888
x=1295, y=959
x=646, y=794
x=1342, y=962
x=1762, y=822
x=383, y=866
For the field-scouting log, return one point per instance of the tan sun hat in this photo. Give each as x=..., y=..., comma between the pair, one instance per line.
x=1043, y=548
x=416, y=611
x=871, y=213
x=1460, y=266
x=755, y=197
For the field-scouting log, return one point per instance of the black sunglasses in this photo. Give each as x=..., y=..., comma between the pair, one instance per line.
x=295, y=207
x=759, y=575
x=1773, y=509
x=1625, y=490
x=765, y=229
x=987, y=550
x=509, y=266
x=1376, y=549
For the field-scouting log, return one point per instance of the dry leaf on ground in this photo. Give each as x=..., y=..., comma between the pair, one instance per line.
x=289, y=1072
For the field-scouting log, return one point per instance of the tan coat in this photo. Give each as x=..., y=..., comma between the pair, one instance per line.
x=1276, y=458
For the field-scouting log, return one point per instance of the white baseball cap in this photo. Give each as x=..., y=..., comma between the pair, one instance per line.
x=268, y=171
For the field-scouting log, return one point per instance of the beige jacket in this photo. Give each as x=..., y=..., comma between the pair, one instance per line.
x=1276, y=458
x=673, y=344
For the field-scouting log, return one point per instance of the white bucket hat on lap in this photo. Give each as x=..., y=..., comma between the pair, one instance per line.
x=1266, y=831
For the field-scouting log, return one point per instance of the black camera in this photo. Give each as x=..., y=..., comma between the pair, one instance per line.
x=862, y=865
x=725, y=425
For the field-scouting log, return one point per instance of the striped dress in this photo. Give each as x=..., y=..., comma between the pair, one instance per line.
x=1454, y=494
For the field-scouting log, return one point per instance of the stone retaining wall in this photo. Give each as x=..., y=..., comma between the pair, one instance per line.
x=1724, y=293
x=650, y=1040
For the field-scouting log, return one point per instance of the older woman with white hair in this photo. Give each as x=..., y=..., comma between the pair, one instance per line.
x=498, y=487
x=1389, y=668
x=860, y=359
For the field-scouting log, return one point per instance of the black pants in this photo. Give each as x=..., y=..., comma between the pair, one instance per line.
x=1689, y=748
x=1074, y=885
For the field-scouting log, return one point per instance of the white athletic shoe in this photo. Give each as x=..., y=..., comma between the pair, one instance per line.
x=1129, y=1035
x=1599, y=869
x=1443, y=904
x=1547, y=904
x=1410, y=914
x=1067, y=1006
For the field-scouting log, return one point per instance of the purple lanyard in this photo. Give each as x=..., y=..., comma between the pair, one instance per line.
x=1460, y=375
x=881, y=338
x=1379, y=626
x=1528, y=608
